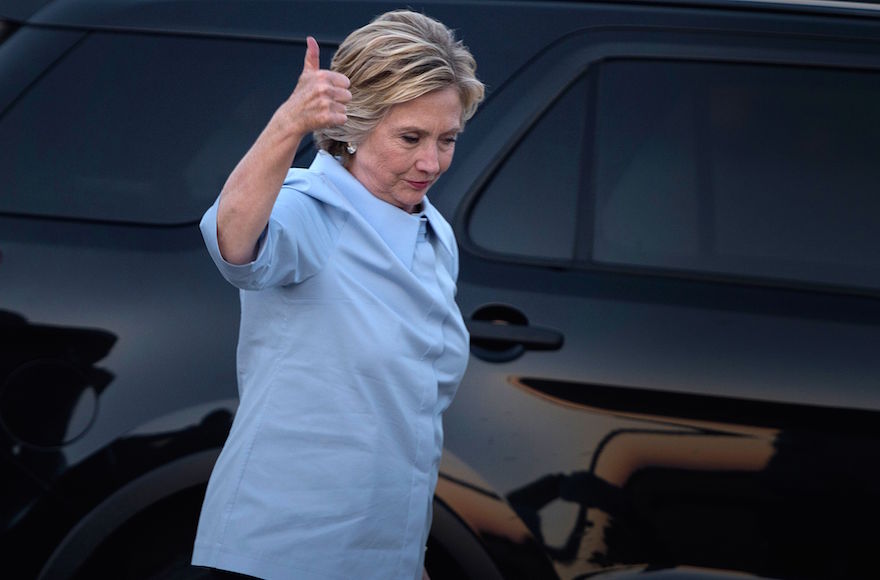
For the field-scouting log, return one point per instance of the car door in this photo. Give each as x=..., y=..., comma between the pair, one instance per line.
x=668, y=270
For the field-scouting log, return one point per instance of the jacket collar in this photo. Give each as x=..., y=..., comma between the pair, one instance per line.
x=397, y=228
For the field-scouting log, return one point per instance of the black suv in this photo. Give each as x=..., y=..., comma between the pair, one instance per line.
x=669, y=223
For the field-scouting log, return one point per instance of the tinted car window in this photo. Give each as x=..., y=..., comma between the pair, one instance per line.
x=753, y=170
x=139, y=128
x=529, y=207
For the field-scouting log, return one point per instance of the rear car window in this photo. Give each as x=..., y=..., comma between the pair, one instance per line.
x=727, y=169
x=739, y=169
x=139, y=128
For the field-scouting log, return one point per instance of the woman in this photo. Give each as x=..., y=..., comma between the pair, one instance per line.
x=351, y=345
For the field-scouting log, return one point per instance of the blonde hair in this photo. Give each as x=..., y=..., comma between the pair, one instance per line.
x=399, y=56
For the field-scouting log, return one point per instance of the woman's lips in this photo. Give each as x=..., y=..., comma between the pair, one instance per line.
x=418, y=185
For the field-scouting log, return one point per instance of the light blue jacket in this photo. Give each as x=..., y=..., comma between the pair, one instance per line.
x=351, y=347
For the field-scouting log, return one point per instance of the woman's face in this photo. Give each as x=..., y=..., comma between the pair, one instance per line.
x=410, y=147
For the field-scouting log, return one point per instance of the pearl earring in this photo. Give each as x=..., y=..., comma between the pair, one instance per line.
x=351, y=148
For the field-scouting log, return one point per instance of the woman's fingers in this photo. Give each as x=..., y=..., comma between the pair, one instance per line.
x=320, y=96
x=328, y=100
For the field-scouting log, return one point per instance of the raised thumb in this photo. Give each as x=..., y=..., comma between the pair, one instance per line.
x=312, y=61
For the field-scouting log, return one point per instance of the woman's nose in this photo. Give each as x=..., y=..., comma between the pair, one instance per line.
x=428, y=160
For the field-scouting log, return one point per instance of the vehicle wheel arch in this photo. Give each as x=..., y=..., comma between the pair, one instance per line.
x=146, y=492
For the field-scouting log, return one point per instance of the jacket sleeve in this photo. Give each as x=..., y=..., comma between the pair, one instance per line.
x=296, y=243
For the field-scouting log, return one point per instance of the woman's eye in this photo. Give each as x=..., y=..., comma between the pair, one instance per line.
x=412, y=140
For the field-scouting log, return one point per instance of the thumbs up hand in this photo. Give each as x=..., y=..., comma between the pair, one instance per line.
x=319, y=98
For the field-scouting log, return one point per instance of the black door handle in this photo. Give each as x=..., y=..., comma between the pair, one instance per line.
x=501, y=333
x=505, y=334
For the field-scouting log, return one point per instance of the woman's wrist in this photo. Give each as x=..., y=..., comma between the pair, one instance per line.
x=284, y=131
